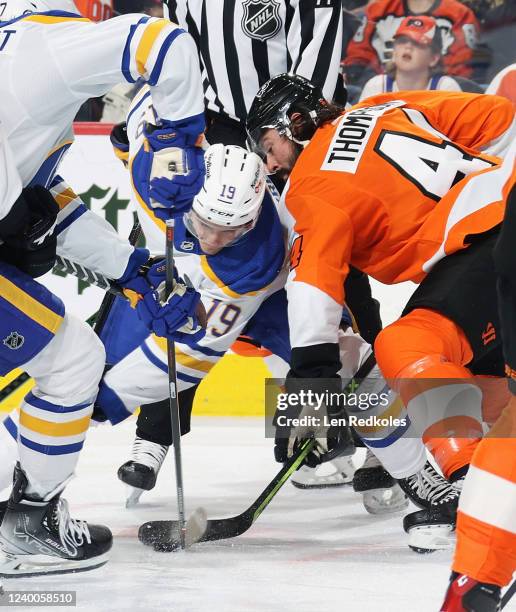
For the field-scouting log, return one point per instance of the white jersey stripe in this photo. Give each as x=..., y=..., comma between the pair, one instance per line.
x=489, y=498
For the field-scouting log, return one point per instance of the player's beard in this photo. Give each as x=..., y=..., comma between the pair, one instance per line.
x=295, y=151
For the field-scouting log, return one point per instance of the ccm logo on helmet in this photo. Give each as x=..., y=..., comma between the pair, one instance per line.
x=222, y=213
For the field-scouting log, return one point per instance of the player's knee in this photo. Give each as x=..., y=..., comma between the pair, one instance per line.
x=392, y=350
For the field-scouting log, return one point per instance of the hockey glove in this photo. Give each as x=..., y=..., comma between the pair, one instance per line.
x=327, y=424
x=168, y=170
x=176, y=317
x=28, y=232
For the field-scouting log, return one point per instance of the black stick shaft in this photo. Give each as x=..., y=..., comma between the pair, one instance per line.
x=172, y=386
x=508, y=594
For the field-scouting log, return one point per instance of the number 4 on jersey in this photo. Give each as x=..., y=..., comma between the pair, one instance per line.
x=433, y=167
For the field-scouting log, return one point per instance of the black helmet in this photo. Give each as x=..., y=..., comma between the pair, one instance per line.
x=275, y=103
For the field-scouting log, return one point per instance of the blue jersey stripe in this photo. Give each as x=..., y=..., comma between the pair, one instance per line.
x=45, y=449
x=205, y=350
x=78, y=212
x=137, y=106
x=126, y=56
x=10, y=425
x=187, y=378
x=393, y=437
x=156, y=71
x=153, y=359
x=42, y=404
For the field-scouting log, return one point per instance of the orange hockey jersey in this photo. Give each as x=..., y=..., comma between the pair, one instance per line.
x=372, y=43
x=392, y=186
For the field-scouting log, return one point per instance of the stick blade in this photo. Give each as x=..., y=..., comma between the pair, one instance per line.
x=165, y=536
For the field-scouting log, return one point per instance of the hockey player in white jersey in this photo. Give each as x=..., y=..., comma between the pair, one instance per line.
x=52, y=60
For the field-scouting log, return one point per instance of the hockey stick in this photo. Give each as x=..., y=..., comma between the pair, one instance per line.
x=188, y=532
x=154, y=532
x=109, y=298
x=85, y=274
x=508, y=595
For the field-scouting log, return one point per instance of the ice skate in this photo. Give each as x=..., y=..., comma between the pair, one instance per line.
x=38, y=537
x=428, y=488
x=432, y=528
x=141, y=471
x=465, y=593
x=380, y=492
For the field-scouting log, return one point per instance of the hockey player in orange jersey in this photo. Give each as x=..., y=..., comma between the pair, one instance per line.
x=404, y=186
x=485, y=555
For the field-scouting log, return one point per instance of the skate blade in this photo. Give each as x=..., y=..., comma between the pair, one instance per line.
x=134, y=497
x=429, y=538
x=385, y=501
x=24, y=566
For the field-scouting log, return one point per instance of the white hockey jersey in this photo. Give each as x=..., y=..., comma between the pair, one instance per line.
x=52, y=62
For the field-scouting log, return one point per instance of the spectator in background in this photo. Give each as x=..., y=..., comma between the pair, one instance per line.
x=504, y=84
x=371, y=47
x=96, y=10
x=416, y=60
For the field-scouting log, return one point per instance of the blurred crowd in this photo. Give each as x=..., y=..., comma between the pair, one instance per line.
x=388, y=45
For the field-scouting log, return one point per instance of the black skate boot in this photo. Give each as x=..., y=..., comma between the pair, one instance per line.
x=468, y=595
x=432, y=527
x=142, y=470
x=380, y=492
x=428, y=488
x=38, y=537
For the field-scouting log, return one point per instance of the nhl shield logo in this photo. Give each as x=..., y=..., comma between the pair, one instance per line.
x=261, y=19
x=187, y=245
x=14, y=341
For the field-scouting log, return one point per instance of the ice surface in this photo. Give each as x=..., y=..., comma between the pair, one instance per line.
x=309, y=550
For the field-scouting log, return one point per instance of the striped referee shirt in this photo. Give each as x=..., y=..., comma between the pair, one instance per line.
x=243, y=43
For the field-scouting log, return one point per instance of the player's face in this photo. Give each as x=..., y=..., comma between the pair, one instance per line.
x=280, y=153
x=411, y=56
x=213, y=238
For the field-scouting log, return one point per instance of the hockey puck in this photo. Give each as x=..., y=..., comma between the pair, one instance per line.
x=167, y=547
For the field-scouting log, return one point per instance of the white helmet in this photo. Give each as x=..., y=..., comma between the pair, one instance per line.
x=15, y=8
x=233, y=188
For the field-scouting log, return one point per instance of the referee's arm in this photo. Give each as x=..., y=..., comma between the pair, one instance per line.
x=314, y=41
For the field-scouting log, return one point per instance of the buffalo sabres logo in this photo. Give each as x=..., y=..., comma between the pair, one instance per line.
x=261, y=19
x=14, y=341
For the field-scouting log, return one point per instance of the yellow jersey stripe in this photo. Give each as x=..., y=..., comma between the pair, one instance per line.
x=65, y=143
x=147, y=41
x=28, y=305
x=143, y=205
x=220, y=284
x=47, y=428
x=185, y=360
x=65, y=197
x=50, y=19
